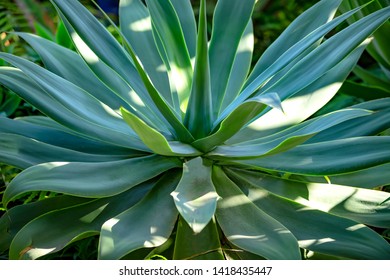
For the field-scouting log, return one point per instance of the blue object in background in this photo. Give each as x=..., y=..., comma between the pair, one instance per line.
x=109, y=6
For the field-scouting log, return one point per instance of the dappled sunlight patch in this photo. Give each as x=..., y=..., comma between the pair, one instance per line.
x=142, y=25
x=311, y=242
x=83, y=48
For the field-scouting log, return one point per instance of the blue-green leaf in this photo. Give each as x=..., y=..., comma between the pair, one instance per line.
x=195, y=196
x=136, y=26
x=169, y=31
x=23, y=152
x=230, y=19
x=313, y=18
x=198, y=117
x=89, y=179
x=241, y=66
x=202, y=246
x=328, y=158
x=186, y=17
x=288, y=138
x=366, y=206
x=43, y=129
x=65, y=110
x=155, y=140
x=316, y=230
x=302, y=104
x=53, y=230
x=241, y=116
x=248, y=227
x=147, y=224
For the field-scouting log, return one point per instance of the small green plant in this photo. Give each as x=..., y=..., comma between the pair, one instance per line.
x=166, y=146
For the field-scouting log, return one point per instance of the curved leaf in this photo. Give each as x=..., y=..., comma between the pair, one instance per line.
x=296, y=51
x=202, y=246
x=65, y=110
x=124, y=78
x=17, y=217
x=240, y=117
x=364, y=126
x=186, y=17
x=302, y=104
x=70, y=66
x=362, y=205
x=229, y=22
x=47, y=131
x=195, y=196
x=286, y=139
x=155, y=140
x=241, y=66
x=147, y=224
x=23, y=152
x=313, y=18
x=89, y=179
x=198, y=116
x=328, y=158
x=52, y=231
x=316, y=230
x=328, y=54
x=136, y=26
x=248, y=227
x=169, y=30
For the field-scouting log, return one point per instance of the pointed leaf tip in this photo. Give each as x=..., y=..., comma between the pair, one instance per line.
x=195, y=196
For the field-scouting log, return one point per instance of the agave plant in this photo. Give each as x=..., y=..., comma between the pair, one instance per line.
x=376, y=80
x=164, y=143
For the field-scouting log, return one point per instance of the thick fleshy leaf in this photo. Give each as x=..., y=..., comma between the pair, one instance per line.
x=52, y=231
x=186, y=17
x=202, y=246
x=97, y=120
x=198, y=116
x=147, y=224
x=362, y=205
x=313, y=18
x=123, y=78
x=168, y=28
x=241, y=66
x=287, y=139
x=316, y=230
x=155, y=140
x=302, y=104
x=327, y=158
x=247, y=226
x=70, y=66
x=328, y=54
x=378, y=50
x=17, y=217
x=374, y=177
x=88, y=179
x=290, y=56
x=229, y=22
x=100, y=41
x=24, y=152
x=364, y=126
x=45, y=130
x=136, y=26
x=240, y=117
x=195, y=196
x=172, y=117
